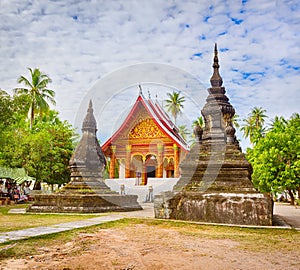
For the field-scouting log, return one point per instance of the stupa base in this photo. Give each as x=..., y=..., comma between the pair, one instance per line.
x=91, y=203
x=225, y=208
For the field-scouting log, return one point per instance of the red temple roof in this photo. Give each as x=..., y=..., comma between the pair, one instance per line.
x=160, y=117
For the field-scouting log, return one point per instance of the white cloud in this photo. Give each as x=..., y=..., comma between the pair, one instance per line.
x=78, y=42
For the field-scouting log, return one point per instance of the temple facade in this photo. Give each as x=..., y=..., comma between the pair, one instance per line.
x=147, y=144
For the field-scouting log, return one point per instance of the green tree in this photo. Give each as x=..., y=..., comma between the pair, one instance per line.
x=12, y=111
x=174, y=104
x=199, y=122
x=276, y=157
x=59, y=150
x=235, y=120
x=258, y=116
x=253, y=126
x=44, y=151
x=6, y=109
x=197, y=125
x=183, y=131
x=37, y=91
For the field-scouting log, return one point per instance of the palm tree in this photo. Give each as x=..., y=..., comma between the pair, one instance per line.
x=174, y=104
x=247, y=127
x=235, y=120
x=197, y=126
x=183, y=131
x=199, y=122
x=278, y=122
x=37, y=92
x=258, y=115
x=253, y=125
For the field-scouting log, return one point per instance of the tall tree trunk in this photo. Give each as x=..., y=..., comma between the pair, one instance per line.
x=292, y=197
x=31, y=115
x=37, y=185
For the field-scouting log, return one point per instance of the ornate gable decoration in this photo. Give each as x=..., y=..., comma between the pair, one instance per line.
x=146, y=129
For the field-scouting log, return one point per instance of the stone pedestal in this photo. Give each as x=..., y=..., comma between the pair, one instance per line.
x=226, y=208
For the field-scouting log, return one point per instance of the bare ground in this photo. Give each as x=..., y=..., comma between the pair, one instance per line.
x=140, y=246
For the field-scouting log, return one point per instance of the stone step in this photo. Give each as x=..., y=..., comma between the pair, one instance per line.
x=158, y=185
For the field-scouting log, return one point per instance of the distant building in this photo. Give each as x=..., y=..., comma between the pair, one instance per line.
x=147, y=144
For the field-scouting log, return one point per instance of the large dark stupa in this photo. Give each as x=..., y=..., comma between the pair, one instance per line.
x=215, y=184
x=87, y=191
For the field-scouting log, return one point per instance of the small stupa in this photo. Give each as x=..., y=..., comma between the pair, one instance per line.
x=215, y=184
x=87, y=191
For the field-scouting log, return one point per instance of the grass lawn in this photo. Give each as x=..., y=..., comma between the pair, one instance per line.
x=11, y=222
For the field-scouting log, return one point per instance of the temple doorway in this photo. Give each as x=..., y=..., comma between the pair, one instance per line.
x=150, y=167
x=151, y=171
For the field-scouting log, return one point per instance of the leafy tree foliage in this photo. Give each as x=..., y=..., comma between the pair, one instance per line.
x=12, y=110
x=276, y=157
x=6, y=109
x=44, y=151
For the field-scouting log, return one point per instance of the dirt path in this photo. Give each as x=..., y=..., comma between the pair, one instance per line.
x=148, y=247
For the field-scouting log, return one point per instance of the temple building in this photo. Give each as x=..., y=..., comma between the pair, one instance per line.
x=147, y=144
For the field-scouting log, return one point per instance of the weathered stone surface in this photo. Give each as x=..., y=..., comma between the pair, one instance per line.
x=215, y=183
x=228, y=208
x=87, y=191
x=87, y=203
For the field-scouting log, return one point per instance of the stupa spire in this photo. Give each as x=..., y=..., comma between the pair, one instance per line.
x=89, y=122
x=90, y=106
x=216, y=79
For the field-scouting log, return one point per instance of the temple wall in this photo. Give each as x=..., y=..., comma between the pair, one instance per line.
x=122, y=169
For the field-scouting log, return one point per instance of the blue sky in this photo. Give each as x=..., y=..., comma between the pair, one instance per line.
x=85, y=46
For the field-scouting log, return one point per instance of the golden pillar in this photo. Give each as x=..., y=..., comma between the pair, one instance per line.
x=112, y=162
x=176, y=160
x=127, y=161
x=144, y=171
x=160, y=148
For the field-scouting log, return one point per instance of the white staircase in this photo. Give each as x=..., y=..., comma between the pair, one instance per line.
x=158, y=184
